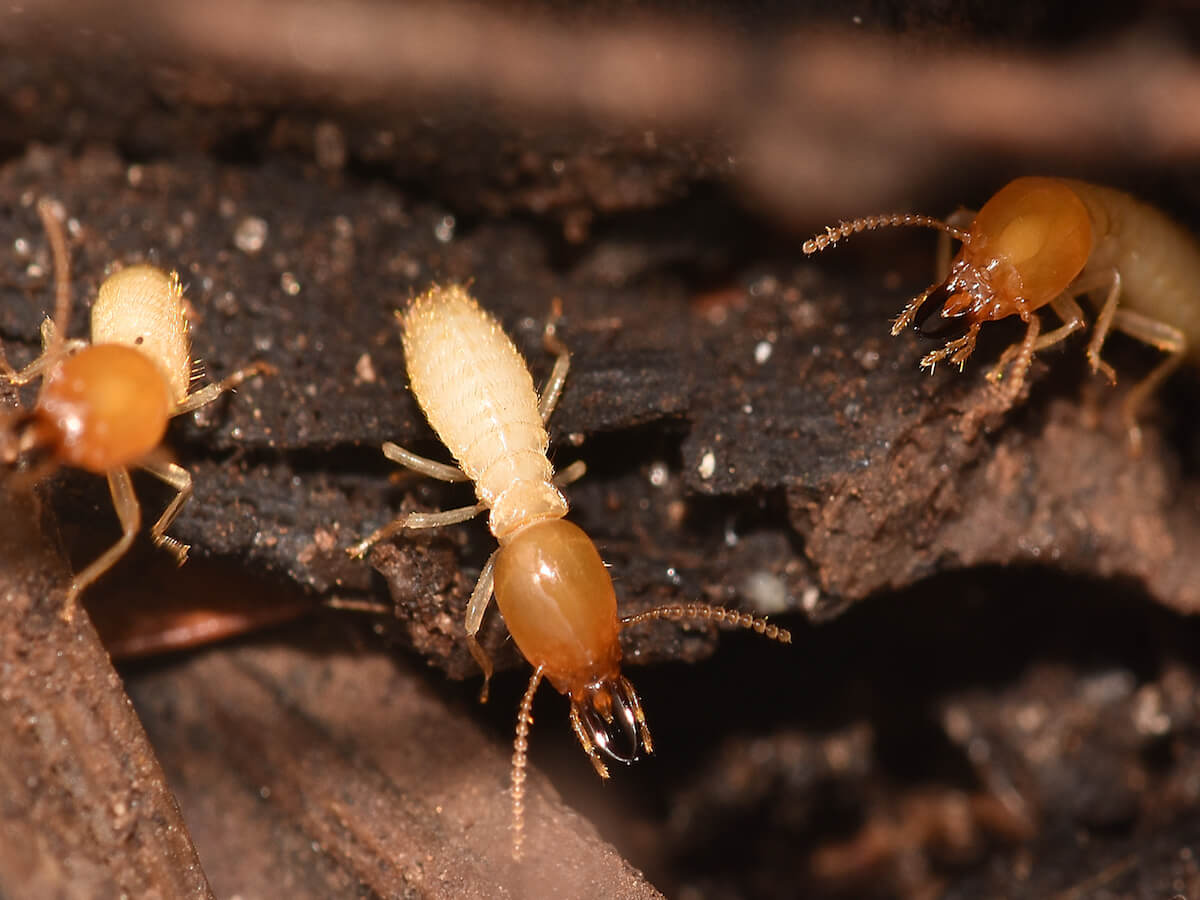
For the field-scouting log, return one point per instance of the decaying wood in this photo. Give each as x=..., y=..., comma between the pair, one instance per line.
x=86, y=811
x=336, y=764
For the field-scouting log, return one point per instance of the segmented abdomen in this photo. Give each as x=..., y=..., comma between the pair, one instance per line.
x=142, y=307
x=1159, y=260
x=476, y=391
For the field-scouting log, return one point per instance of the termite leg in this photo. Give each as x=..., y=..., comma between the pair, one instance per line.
x=211, y=392
x=1166, y=338
x=958, y=350
x=30, y=372
x=520, y=755
x=476, y=607
x=1085, y=284
x=570, y=474
x=1022, y=358
x=422, y=465
x=552, y=390
x=45, y=360
x=1071, y=315
x=416, y=520
x=126, y=504
x=179, y=478
x=586, y=742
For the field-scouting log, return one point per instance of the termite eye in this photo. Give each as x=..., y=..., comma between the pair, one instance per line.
x=608, y=713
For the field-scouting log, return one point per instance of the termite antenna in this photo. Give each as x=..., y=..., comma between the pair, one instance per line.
x=520, y=754
x=51, y=214
x=731, y=618
x=835, y=233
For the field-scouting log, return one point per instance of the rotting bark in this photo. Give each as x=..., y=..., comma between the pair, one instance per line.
x=777, y=385
x=86, y=811
x=344, y=769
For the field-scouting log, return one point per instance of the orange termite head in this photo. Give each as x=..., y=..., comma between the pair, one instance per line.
x=105, y=407
x=1022, y=250
x=558, y=602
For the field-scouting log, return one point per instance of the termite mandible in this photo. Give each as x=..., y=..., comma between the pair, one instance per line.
x=551, y=585
x=1043, y=241
x=104, y=404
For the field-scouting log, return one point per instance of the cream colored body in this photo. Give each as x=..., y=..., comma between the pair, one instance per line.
x=550, y=582
x=477, y=393
x=142, y=306
x=1159, y=262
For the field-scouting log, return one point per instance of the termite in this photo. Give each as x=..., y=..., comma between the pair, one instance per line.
x=1044, y=242
x=552, y=587
x=104, y=404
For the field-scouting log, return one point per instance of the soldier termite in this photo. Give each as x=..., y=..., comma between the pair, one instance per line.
x=1045, y=241
x=552, y=588
x=104, y=403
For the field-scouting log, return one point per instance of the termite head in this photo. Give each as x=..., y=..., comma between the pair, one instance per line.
x=558, y=602
x=104, y=407
x=1022, y=250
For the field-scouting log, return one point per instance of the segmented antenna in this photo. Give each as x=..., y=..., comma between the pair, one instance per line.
x=50, y=213
x=835, y=233
x=520, y=754
x=732, y=618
